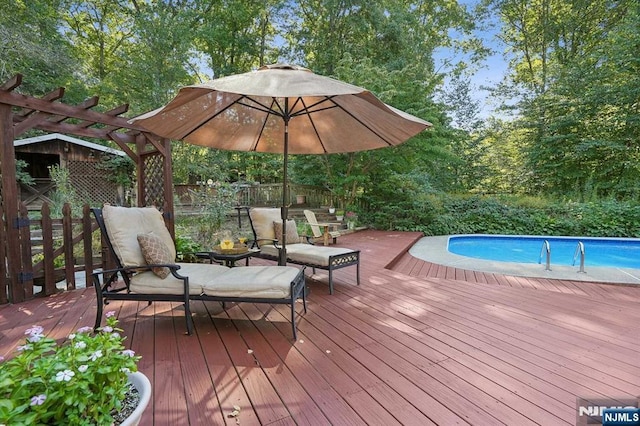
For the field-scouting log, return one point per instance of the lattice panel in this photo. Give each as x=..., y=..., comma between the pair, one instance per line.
x=92, y=183
x=154, y=180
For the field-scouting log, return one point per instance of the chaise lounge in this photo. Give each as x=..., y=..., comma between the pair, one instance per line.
x=145, y=256
x=266, y=224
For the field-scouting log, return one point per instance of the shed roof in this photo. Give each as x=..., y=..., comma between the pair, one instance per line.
x=60, y=136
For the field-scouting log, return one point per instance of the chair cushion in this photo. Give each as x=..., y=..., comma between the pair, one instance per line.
x=125, y=223
x=292, y=231
x=310, y=254
x=262, y=220
x=198, y=273
x=271, y=282
x=155, y=251
x=306, y=254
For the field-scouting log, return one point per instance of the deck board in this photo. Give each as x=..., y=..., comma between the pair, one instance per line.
x=415, y=343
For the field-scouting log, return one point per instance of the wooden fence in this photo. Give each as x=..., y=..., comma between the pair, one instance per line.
x=52, y=250
x=266, y=195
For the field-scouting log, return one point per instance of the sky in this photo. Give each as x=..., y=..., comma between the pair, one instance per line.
x=491, y=72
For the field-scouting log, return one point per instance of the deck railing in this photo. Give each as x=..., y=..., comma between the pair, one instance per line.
x=267, y=195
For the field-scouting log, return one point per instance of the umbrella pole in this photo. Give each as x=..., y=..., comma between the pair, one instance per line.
x=284, y=210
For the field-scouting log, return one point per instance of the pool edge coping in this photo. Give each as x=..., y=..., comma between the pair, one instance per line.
x=434, y=249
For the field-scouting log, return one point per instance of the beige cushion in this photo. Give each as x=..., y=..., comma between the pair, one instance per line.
x=155, y=252
x=262, y=220
x=270, y=250
x=215, y=280
x=306, y=253
x=253, y=281
x=125, y=223
x=292, y=231
x=198, y=273
x=310, y=254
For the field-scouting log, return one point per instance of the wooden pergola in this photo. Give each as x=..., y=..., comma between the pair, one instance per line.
x=20, y=113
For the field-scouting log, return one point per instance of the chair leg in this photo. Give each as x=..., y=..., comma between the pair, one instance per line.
x=99, y=301
x=187, y=315
x=358, y=272
x=293, y=319
x=304, y=298
x=330, y=281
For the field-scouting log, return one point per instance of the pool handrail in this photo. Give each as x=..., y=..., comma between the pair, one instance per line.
x=546, y=247
x=580, y=251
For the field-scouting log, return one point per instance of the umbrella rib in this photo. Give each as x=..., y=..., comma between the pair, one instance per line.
x=189, y=133
x=307, y=109
x=261, y=107
x=313, y=124
x=385, y=140
x=269, y=110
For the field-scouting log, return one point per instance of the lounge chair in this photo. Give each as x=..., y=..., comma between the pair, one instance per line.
x=145, y=256
x=329, y=230
x=266, y=224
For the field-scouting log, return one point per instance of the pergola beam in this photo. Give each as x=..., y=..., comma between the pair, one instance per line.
x=69, y=111
x=19, y=113
x=40, y=117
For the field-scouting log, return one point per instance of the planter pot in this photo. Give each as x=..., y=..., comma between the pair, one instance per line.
x=339, y=218
x=332, y=210
x=143, y=386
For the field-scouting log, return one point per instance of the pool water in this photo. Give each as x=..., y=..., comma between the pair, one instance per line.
x=605, y=252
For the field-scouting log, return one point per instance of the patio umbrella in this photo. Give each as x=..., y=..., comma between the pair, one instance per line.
x=283, y=109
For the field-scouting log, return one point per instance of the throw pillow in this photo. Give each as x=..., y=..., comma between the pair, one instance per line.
x=155, y=251
x=292, y=231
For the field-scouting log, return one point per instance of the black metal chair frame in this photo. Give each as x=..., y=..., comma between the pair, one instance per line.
x=335, y=262
x=110, y=288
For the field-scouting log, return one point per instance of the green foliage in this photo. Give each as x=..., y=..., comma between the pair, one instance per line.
x=212, y=204
x=64, y=193
x=22, y=176
x=79, y=382
x=186, y=247
x=121, y=169
x=442, y=214
x=574, y=69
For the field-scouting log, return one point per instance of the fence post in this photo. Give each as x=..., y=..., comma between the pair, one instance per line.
x=26, y=274
x=67, y=244
x=4, y=280
x=47, y=251
x=87, y=234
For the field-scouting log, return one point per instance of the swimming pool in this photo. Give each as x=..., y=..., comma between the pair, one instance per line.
x=601, y=252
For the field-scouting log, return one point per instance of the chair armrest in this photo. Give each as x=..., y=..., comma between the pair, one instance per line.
x=255, y=243
x=127, y=269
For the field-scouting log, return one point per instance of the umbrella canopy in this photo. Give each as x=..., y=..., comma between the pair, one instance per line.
x=281, y=109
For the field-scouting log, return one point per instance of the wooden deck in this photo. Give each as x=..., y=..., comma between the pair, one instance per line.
x=415, y=344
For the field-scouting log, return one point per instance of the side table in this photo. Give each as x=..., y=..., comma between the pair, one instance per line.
x=227, y=259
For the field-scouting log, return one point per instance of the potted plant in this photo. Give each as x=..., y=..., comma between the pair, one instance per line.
x=339, y=215
x=88, y=379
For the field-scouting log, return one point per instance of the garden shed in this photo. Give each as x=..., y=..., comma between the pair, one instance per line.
x=84, y=160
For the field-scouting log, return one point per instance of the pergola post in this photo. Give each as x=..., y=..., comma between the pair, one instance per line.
x=10, y=204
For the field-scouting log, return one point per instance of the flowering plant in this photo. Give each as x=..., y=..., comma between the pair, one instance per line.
x=82, y=381
x=351, y=215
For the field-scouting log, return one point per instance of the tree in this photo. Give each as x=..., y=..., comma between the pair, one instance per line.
x=561, y=54
x=31, y=44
